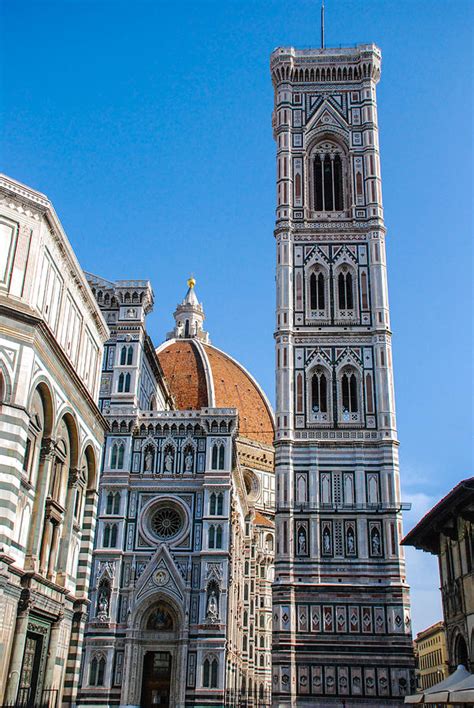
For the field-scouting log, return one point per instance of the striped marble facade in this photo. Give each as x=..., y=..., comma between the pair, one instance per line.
x=341, y=614
x=51, y=435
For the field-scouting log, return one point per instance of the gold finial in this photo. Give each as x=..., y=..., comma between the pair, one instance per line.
x=191, y=282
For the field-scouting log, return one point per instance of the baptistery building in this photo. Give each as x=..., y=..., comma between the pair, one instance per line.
x=51, y=433
x=181, y=578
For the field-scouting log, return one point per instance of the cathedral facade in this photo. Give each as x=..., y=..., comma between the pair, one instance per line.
x=180, y=590
x=341, y=615
x=51, y=435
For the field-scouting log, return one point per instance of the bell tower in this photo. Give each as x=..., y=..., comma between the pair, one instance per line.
x=341, y=616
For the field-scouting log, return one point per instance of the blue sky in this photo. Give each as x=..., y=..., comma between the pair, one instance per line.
x=148, y=124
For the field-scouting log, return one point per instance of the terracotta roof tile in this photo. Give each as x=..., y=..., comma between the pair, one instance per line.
x=262, y=520
x=234, y=389
x=184, y=373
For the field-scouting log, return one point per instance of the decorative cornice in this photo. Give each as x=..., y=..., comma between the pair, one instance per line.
x=35, y=204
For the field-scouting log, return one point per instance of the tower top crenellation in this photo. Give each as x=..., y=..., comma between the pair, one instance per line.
x=358, y=63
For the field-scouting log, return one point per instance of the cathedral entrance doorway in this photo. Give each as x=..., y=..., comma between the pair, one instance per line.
x=155, y=656
x=156, y=683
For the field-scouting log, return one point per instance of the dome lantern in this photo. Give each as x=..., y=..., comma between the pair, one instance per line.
x=189, y=317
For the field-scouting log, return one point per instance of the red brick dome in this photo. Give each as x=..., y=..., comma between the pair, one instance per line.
x=201, y=376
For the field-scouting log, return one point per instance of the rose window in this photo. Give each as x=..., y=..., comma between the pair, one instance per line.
x=166, y=522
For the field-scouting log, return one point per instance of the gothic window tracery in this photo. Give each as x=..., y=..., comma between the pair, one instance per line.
x=218, y=456
x=126, y=355
x=210, y=673
x=328, y=177
x=317, y=291
x=319, y=402
x=117, y=455
x=345, y=290
x=124, y=381
x=216, y=504
x=97, y=671
x=349, y=395
x=215, y=536
x=113, y=503
x=110, y=536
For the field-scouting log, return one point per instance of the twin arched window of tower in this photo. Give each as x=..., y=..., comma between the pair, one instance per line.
x=328, y=179
x=210, y=673
x=215, y=537
x=110, y=536
x=218, y=457
x=116, y=456
x=97, y=671
x=124, y=383
x=126, y=355
x=113, y=503
x=216, y=504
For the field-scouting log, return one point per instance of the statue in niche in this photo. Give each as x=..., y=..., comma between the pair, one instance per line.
x=326, y=540
x=350, y=542
x=375, y=540
x=212, y=612
x=103, y=604
x=302, y=541
x=169, y=461
x=131, y=312
x=188, y=461
x=148, y=460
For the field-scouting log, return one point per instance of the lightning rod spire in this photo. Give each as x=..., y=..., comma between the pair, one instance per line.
x=322, y=24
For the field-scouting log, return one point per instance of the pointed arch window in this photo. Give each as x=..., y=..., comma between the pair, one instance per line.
x=113, y=503
x=345, y=290
x=218, y=457
x=317, y=291
x=117, y=455
x=211, y=537
x=328, y=179
x=97, y=671
x=210, y=673
x=216, y=504
x=220, y=504
x=110, y=536
x=219, y=537
x=350, y=403
x=319, y=392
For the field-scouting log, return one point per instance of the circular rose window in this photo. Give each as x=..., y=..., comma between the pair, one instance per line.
x=166, y=522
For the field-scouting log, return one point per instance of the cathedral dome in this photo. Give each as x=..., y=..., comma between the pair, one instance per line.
x=201, y=376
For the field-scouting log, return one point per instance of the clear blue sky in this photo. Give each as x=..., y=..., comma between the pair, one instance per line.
x=148, y=124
